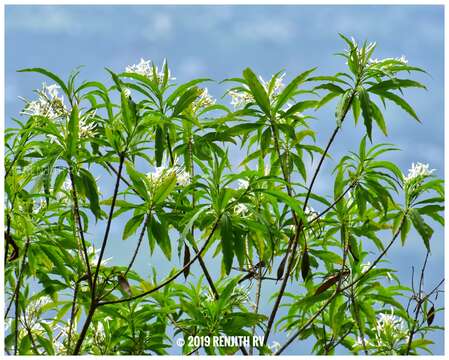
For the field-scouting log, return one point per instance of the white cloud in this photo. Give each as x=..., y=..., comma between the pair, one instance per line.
x=160, y=27
x=191, y=67
x=264, y=29
x=42, y=19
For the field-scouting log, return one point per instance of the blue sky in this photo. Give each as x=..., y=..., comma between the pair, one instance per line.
x=220, y=41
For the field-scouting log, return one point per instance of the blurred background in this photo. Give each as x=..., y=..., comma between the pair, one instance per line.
x=219, y=42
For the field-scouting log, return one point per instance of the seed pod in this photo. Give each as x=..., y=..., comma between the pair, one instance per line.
x=186, y=261
x=305, y=265
x=124, y=284
x=332, y=280
x=281, y=267
x=430, y=315
x=327, y=284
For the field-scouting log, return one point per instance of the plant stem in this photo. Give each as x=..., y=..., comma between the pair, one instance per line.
x=171, y=278
x=80, y=225
x=299, y=226
x=94, y=302
x=324, y=306
x=19, y=279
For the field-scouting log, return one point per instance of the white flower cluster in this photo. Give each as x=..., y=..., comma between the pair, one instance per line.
x=148, y=69
x=370, y=46
x=33, y=312
x=86, y=130
x=390, y=332
x=99, y=334
x=241, y=98
x=94, y=254
x=419, y=171
x=49, y=104
x=240, y=209
x=162, y=172
x=401, y=59
x=203, y=101
x=310, y=213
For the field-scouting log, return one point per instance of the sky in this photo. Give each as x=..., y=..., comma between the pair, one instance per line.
x=219, y=42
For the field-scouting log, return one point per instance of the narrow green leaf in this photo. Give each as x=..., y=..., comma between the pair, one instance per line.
x=366, y=111
x=132, y=225
x=258, y=91
x=424, y=230
x=227, y=242
x=290, y=89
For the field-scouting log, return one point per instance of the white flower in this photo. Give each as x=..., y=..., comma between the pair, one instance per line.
x=96, y=255
x=276, y=87
x=240, y=209
x=243, y=184
x=401, y=59
x=417, y=170
x=359, y=342
x=183, y=178
x=67, y=185
x=49, y=104
x=86, y=130
x=310, y=213
x=99, y=332
x=142, y=68
x=148, y=69
x=240, y=98
x=365, y=267
x=127, y=92
x=203, y=101
x=162, y=172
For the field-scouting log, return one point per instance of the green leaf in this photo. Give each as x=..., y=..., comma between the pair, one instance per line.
x=164, y=188
x=138, y=181
x=91, y=191
x=366, y=110
x=378, y=117
x=356, y=108
x=343, y=106
x=291, y=202
x=180, y=90
x=393, y=84
x=398, y=101
x=160, y=233
x=258, y=91
x=128, y=111
x=49, y=74
x=290, y=89
x=227, y=242
x=132, y=225
x=299, y=107
x=159, y=145
x=185, y=100
x=73, y=133
x=424, y=230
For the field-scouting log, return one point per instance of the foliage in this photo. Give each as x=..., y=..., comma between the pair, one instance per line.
x=64, y=298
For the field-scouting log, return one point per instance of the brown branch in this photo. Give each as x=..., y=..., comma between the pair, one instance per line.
x=324, y=306
x=80, y=225
x=171, y=278
x=19, y=279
